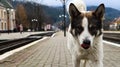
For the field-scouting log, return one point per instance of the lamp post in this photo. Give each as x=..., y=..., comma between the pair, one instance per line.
x=64, y=12
x=64, y=18
x=8, y=19
x=63, y=22
x=34, y=20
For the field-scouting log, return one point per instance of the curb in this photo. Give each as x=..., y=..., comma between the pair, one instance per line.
x=111, y=43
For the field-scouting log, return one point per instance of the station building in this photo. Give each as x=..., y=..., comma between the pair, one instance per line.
x=7, y=16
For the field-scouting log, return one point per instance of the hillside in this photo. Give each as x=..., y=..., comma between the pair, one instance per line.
x=110, y=13
x=54, y=12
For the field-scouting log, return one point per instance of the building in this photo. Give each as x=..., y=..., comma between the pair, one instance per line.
x=115, y=24
x=7, y=16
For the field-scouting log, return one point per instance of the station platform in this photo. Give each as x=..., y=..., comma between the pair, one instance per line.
x=4, y=36
x=53, y=52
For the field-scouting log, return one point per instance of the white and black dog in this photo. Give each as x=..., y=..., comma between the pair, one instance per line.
x=85, y=35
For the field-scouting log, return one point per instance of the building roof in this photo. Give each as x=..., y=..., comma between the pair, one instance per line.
x=116, y=20
x=6, y=4
x=1, y=4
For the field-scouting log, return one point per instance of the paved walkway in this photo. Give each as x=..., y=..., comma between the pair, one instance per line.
x=53, y=52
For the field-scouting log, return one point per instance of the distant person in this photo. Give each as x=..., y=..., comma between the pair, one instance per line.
x=21, y=28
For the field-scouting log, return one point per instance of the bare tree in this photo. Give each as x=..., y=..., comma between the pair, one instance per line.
x=21, y=16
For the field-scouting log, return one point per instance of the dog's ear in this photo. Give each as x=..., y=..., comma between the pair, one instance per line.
x=73, y=11
x=99, y=12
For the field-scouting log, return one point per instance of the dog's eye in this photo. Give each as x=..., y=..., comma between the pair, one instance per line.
x=93, y=27
x=93, y=30
x=78, y=30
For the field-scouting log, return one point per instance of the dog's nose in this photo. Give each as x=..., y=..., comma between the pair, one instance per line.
x=87, y=42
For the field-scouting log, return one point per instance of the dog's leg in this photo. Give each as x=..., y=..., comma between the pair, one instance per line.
x=97, y=64
x=76, y=61
x=100, y=63
x=85, y=61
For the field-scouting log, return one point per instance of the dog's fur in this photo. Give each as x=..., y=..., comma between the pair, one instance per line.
x=85, y=25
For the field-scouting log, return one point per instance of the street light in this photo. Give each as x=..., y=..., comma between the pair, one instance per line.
x=63, y=22
x=35, y=20
x=60, y=16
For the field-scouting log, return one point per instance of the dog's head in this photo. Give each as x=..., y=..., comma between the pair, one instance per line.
x=86, y=25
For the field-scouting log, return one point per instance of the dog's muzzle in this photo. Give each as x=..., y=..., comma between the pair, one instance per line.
x=86, y=44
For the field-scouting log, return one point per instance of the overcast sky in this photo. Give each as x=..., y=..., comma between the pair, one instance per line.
x=108, y=3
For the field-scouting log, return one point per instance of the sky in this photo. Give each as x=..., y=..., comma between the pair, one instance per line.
x=108, y=3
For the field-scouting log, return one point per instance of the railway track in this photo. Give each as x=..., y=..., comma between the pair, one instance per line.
x=113, y=37
x=7, y=45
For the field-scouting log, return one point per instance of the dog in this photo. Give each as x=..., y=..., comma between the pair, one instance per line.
x=84, y=36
